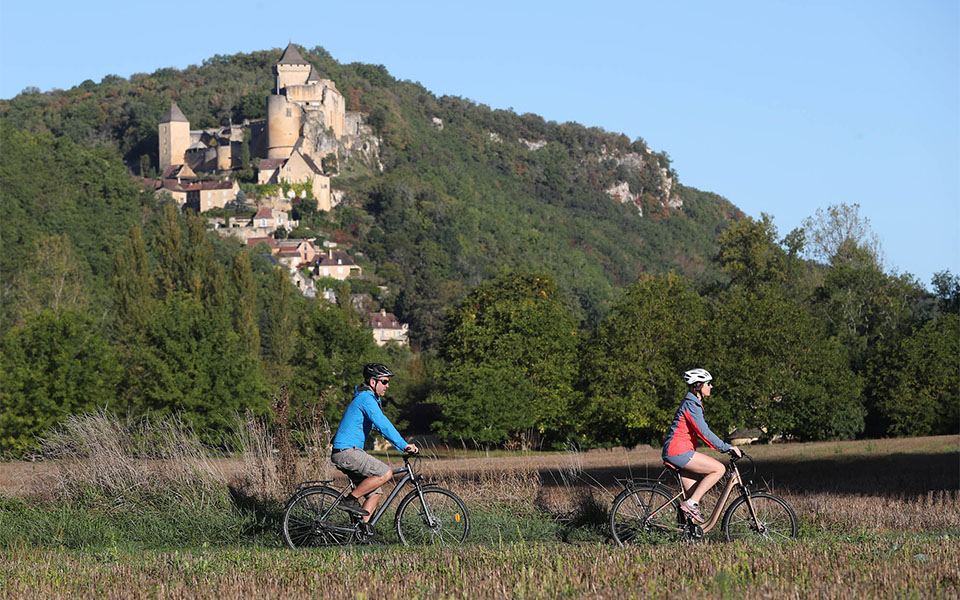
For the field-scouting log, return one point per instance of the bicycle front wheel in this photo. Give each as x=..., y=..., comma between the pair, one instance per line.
x=311, y=519
x=774, y=521
x=643, y=513
x=440, y=519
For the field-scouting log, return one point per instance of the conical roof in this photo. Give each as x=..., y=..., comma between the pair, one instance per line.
x=291, y=56
x=314, y=74
x=173, y=114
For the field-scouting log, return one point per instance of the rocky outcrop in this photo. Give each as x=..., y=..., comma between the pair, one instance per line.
x=621, y=193
x=652, y=179
x=360, y=143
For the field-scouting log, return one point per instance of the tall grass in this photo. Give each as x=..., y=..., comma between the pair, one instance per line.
x=105, y=463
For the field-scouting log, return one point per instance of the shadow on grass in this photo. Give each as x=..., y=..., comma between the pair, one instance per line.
x=266, y=516
x=897, y=474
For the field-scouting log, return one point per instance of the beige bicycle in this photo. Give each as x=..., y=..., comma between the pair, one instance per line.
x=647, y=510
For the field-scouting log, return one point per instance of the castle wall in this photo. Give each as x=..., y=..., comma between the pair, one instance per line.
x=283, y=126
x=224, y=158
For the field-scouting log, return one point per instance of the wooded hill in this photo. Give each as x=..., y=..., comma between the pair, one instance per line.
x=544, y=310
x=453, y=206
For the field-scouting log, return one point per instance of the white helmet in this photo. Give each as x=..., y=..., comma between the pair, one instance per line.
x=697, y=376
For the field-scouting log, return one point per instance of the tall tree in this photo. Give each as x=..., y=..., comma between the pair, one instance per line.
x=54, y=365
x=510, y=362
x=168, y=244
x=916, y=386
x=52, y=279
x=245, y=306
x=778, y=369
x=279, y=326
x=839, y=233
x=132, y=283
x=632, y=363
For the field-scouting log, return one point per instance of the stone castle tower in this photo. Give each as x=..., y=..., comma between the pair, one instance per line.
x=174, y=137
x=300, y=95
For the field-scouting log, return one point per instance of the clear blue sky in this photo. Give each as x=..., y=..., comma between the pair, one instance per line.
x=781, y=107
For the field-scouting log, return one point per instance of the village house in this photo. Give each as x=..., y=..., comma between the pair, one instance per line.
x=294, y=254
x=337, y=264
x=387, y=328
x=262, y=224
x=208, y=195
x=298, y=167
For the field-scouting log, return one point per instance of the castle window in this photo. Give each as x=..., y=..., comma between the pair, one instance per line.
x=289, y=113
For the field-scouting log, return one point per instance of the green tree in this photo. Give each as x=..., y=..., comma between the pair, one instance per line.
x=839, y=233
x=132, y=284
x=192, y=362
x=632, y=363
x=331, y=348
x=777, y=369
x=55, y=365
x=510, y=362
x=917, y=386
x=279, y=326
x=168, y=245
x=245, y=306
x=53, y=279
x=749, y=253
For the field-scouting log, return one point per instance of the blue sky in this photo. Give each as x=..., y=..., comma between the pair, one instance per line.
x=781, y=107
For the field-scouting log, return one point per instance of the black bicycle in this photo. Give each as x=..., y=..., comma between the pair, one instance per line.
x=427, y=515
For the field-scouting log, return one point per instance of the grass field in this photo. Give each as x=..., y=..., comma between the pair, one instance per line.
x=878, y=518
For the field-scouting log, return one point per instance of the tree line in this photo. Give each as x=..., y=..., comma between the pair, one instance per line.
x=208, y=329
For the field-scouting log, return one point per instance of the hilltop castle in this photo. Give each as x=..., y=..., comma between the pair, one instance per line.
x=306, y=118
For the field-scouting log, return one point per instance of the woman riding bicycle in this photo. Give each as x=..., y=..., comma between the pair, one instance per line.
x=698, y=472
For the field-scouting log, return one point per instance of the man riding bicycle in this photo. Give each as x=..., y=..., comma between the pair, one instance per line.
x=364, y=413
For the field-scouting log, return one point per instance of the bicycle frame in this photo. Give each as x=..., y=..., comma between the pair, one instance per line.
x=408, y=476
x=733, y=479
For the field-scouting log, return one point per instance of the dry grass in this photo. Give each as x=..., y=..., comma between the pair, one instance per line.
x=878, y=568
x=102, y=461
x=903, y=485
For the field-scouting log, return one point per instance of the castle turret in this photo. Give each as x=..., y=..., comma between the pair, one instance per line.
x=292, y=69
x=174, y=137
x=283, y=126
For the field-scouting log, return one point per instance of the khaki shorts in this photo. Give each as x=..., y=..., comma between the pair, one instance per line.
x=358, y=465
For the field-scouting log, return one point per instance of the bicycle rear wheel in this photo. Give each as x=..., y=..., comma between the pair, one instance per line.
x=311, y=519
x=440, y=519
x=643, y=513
x=775, y=519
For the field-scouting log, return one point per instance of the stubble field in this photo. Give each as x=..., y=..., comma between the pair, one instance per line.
x=878, y=518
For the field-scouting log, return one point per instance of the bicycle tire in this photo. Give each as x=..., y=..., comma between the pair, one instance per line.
x=310, y=520
x=448, y=522
x=777, y=520
x=631, y=521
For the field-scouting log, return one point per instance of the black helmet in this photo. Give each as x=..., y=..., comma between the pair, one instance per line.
x=376, y=370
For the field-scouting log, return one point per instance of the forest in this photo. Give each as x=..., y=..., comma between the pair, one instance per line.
x=542, y=311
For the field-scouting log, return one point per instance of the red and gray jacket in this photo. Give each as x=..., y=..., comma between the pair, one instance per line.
x=688, y=425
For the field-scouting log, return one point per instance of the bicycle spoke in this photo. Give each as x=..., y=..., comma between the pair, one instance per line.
x=309, y=520
x=775, y=520
x=641, y=513
x=447, y=523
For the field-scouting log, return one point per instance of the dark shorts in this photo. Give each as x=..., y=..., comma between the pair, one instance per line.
x=679, y=460
x=358, y=465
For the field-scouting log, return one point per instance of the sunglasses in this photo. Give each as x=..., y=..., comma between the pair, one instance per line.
x=384, y=381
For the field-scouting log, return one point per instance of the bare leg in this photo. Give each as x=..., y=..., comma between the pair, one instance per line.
x=710, y=470
x=368, y=485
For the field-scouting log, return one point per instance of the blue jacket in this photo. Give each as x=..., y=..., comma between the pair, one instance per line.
x=363, y=414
